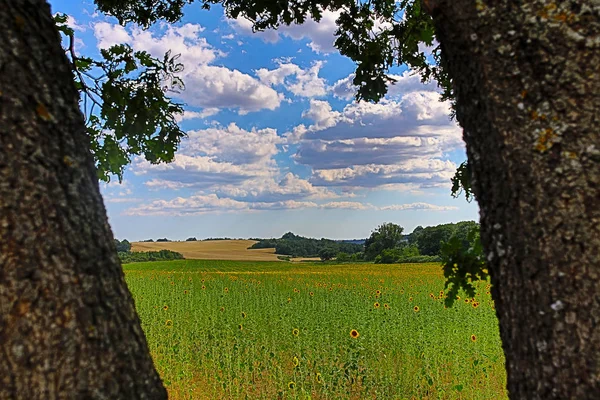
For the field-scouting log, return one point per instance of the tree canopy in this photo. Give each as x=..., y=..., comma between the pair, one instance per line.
x=386, y=236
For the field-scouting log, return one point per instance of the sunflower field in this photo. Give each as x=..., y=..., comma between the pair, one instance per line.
x=275, y=330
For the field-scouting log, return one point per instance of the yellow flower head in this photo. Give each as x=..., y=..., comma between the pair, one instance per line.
x=319, y=378
x=311, y=293
x=165, y=307
x=185, y=292
x=473, y=338
x=386, y=305
x=376, y=305
x=243, y=314
x=168, y=323
x=354, y=334
x=292, y=385
x=296, y=361
x=295, y=331
x=416, y=308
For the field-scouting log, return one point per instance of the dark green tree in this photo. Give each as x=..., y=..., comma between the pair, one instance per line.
x=386, y=236
x=327, y=253
x=123, y=245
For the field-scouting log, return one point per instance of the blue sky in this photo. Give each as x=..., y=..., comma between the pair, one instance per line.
x=275, y=141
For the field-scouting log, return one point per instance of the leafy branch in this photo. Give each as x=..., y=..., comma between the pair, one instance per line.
x=130, y=113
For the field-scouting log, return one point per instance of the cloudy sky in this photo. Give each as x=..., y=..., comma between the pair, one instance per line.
x=275, y=141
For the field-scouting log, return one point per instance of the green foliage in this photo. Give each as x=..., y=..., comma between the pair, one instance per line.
x=299, y=246
x=429, y=240
x=405, y=254
x=461, y=181
x=122, y=246
x=143, y=12
x=386, y=236
x=463, y=267
x=125, y=103
x=163, y=240
x=327, y=253
x=342, y=257
x=143, y=256
x=191, y=239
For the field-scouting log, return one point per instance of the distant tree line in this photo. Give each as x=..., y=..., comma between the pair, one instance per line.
x=140, y=256
x=299, y=246
x=387, y=244
x=122, y=245
x=128, y=256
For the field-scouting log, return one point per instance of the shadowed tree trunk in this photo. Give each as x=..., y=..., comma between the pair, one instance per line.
x=527, y=82
x=68, y=326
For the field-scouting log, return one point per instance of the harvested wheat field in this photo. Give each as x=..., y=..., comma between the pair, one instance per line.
x=211, y=250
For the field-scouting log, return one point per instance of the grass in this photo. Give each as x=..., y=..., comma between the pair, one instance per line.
x=227, y=329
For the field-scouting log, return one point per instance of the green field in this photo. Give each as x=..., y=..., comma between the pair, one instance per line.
x=248, y=330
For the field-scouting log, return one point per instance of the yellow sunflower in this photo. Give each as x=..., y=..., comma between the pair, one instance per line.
x=292, y=385
x=168, y=323
x=295, y=331
x=354, y=334
x=165, y=307
x=376, y=305
x=319, y=378
x=416, y=308
x=473, y=338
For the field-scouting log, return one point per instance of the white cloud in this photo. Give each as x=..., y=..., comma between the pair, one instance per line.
x=391, y=143
x=306, y=83
x=72, y=22
x=206, y=86
x=289, y=187
x=321, y=36
x=201, y=204
x=418, y=206
x=109, y=35
x=207, y=112
x=219, y=87
x=408, y=82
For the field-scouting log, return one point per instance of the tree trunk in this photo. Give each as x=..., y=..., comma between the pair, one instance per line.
x=68, y=326
x=527, y=81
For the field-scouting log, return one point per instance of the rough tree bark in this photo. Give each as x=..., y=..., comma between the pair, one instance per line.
x=527, y=81
x=68, y=326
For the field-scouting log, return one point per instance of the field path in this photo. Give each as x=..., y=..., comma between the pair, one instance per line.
x=211, y=250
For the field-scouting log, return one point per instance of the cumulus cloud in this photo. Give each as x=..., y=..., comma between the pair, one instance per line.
x=418, y=206
x=201, y=204
x=207, y=86
x=289, y=187
x=219, y=87
x=215, y=157
x=408, y=82
x=301, y=82
x=395, y=142
x=321, y=36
